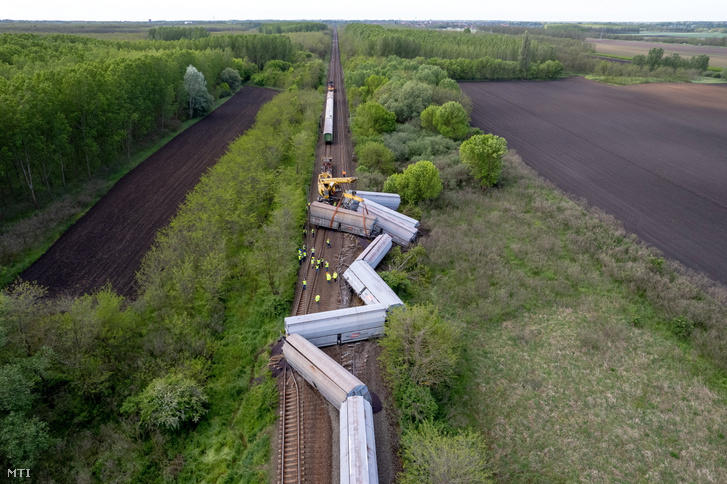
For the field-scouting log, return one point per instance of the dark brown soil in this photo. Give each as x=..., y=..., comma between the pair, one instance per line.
x=108, y=243
x=651, y=155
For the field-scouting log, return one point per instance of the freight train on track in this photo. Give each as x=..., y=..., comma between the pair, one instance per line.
x=328, y=121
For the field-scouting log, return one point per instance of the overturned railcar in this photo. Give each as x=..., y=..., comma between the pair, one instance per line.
x=332, y=380
x=402, y=229
x=376, y=250
x=357, y=442
x=337, y=218
x=388, y=200
x=369, y=286
x=347, y=325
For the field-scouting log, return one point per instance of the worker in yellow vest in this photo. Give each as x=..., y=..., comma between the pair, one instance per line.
x=318, y=298
x=335, y=276
x=305, y=284
x=328, y=277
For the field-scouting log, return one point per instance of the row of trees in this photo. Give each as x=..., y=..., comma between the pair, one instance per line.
x=31, y=53
x=176, y=33
x=62, y=121
x=287, y=27
x=120, y=379
x=61, y=125
x=498, y=51
x=655, y=58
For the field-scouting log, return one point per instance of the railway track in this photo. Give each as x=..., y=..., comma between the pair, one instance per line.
x=311, y=412
x=291, y=430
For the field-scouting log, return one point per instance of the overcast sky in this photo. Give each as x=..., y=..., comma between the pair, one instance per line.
x=553, y=10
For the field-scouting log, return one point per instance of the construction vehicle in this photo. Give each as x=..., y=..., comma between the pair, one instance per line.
x=329, y=191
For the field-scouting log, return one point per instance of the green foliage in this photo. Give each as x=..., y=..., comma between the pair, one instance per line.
x=206, y=308
x=483, y=154
x=451, y=120
x=199, y=99
x=285, y=27
x=372, y=118
x=427, y=117
x=430, y=74
x=23, y=440
x=405, y=99
x=176, y=33
x=420, y=347
x=419, y=181
x=167, y=403
x=653, y=58
x=374, y=156
x=231, y=77
x=434, y=456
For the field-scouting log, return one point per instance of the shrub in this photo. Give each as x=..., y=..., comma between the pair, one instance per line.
x=371, y=119
x=451, y=120
x=433, y=456
x=420, y=347
x=427, y=117
x=405, y=100
x=167, y=403
x=231, y=77
x=430, y=74
x=483, y=154
x=374, y=156
x=419, y=181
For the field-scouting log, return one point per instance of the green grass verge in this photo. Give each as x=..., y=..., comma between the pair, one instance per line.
x=54, y=219
x=628, y=81
x=576, y=367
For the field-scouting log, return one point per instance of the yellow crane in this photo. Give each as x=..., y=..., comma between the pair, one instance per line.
x=329, y=189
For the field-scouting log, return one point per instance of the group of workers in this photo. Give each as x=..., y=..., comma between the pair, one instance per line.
x=316, y=262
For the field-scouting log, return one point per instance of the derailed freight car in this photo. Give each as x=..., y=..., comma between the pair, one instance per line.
x=332, y=380
x=357, y=442
x=402, y=229
x=376, y=250
x=336, y=218
x=369, y=286
x=346, y=325
x=388, y=200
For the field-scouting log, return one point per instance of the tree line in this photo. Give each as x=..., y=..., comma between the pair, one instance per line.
x=287, y=27
x=97, y=100
x=176, y=33
x=129, y=382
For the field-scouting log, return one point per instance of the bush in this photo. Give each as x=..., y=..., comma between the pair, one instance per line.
x=374, y=156
x=452, y=121
x=420, y=347
x=231, y=77
x=483, y=154
x=433, y=456
x=167, y=403
x=371, y=119
x=427, y=117
x=430, y=74
x=405, y=100
x=419, y=181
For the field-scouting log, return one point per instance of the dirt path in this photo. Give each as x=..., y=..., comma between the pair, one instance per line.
x=651, y=155
x=108, y=243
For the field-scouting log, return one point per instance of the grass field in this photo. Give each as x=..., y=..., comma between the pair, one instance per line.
x=630, y=48
x=574, y=370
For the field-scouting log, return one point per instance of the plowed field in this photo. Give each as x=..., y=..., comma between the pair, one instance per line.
x=108, y=243
x=653, y=155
